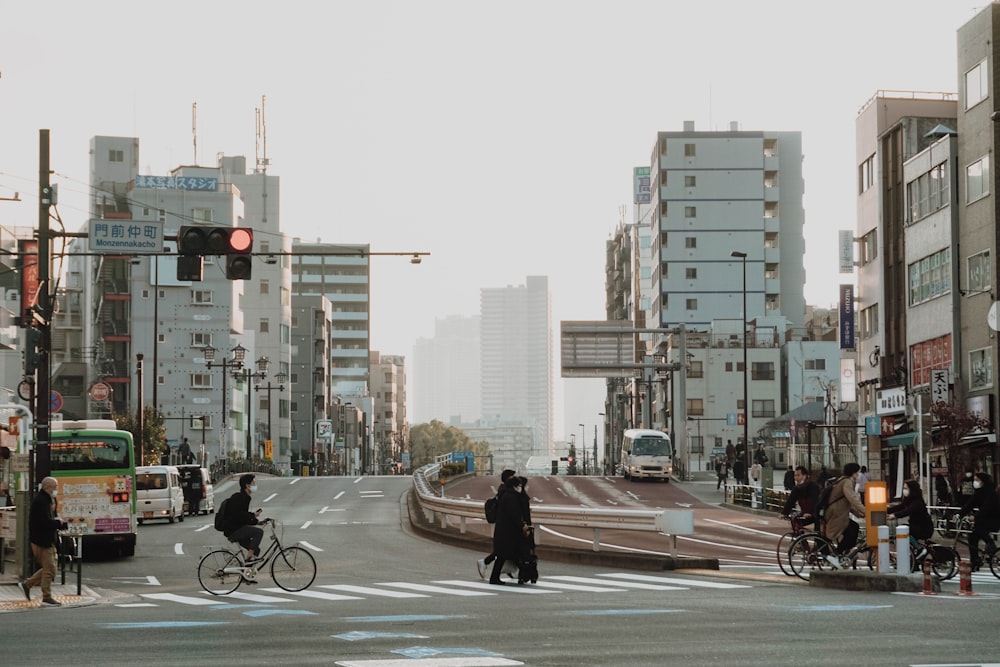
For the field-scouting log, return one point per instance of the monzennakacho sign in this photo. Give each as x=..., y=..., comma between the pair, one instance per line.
x=125, y=236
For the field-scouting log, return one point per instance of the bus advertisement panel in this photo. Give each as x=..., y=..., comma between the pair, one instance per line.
x=95, y=469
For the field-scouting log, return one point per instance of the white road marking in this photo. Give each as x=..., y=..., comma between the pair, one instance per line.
x=305, y=525
x=337, y=497
x=694, y=583
x=313, y=594
x=512, y=587
x=184, y=599
x=273, y=495
x=311, y=547
x=547, y=583
x=470, y=661
x=253, y=597
x=148, y=580
x=623, y=584
x=179, y=548
x=433, y=589
x=368, y=590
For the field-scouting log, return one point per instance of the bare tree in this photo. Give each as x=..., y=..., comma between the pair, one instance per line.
x=956, y=422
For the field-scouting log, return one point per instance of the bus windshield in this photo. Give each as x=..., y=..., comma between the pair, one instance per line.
x=651, y=447
x=89, y=453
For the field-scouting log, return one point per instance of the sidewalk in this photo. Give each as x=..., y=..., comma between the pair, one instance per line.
x=12, y=599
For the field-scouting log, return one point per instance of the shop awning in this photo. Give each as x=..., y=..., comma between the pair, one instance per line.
x=901, y=440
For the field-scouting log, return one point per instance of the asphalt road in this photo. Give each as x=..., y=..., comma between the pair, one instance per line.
x=386, y=598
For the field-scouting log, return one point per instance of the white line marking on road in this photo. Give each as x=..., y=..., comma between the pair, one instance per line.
x=205, y=527
x=179, y=548
x=273, y=495
x=148, y=580
x=137, y=604
x=311, y=547
x=313, y=594
x=368, y=590
x=624, y=584
x=433, y=589
x=253, y=597
x=693, y=583
x=305, y=525
x=183, y=599
x=337, y=497
x=470, y=661
x=357, y=480
x=512, y=588
x=294, y=480
x=577, y=587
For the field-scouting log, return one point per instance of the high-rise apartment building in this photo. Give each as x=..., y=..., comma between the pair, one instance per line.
x=446, y=376
x=516, y=324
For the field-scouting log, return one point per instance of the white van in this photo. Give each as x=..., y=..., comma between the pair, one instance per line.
x=158, y=494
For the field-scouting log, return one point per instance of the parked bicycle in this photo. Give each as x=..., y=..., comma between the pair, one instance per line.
x=943, y=559
x=221, y=571
x=798, y=527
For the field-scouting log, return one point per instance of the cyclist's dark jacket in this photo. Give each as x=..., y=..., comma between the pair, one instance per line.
x=987, y=506
x=914, y=507
x=238, y=513
x=806, y=495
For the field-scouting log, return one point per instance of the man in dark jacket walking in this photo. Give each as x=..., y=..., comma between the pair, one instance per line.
x=43, y=522
x=509, y=532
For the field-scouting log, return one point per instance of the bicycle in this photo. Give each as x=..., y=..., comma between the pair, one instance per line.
x=221, y=571
x=809, y=552
x=943, y=559
x=798, y=527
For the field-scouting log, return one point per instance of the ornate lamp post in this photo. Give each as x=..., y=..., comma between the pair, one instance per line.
x=746, y=369
x=280, y=378
x=228, y=365
x=247, y=375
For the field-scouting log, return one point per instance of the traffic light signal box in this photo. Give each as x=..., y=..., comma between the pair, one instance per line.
x=194, y=242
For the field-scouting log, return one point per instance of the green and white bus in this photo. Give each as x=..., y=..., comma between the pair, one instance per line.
x=94, y=464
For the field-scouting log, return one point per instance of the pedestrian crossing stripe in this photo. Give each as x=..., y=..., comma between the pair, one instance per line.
x=605, y=582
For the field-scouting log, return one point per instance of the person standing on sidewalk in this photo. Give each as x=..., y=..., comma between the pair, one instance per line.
x=43, y=522
x=721, y=473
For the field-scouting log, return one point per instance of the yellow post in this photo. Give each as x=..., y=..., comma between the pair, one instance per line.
x=876, y=501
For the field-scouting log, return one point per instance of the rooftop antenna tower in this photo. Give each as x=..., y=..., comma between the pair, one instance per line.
x=261, y=155
x=194, y=129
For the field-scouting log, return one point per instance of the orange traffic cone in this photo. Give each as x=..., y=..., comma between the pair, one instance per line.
x=965, y=578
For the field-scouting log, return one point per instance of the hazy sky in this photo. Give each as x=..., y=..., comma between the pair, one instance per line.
x=499, y=137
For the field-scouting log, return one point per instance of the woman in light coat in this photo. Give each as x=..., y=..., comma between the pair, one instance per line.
x=844, y=501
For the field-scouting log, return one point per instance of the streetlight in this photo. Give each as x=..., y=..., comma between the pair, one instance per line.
x=601, y=414
x=280, y=378
x=239, y=354
x=246, y=375
x=583, y=446
x=746, y=368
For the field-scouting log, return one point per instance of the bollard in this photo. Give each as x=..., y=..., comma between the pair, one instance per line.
x=965, y=578
x=883, y=549
x=928, y=582
x=903, y=549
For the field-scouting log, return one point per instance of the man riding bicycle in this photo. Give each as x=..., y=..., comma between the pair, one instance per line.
x=240, y=523
x=805, y=493
x=837, y=523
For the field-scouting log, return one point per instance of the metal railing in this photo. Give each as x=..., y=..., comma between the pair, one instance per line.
x=440, y=509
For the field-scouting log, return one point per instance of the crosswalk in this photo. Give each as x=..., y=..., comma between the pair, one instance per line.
x=610, y=582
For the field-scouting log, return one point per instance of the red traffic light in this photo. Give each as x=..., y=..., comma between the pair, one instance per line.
x=214, y=240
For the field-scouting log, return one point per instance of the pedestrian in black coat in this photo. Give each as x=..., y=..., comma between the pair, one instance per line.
x=509, y=532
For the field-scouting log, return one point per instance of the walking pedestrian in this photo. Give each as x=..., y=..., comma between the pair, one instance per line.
x=43, y=522
x=510, y=530
x=789, y=481
x=721, y=472
x=482, y=563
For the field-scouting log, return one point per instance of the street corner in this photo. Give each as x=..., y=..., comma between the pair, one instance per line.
x=12, y=599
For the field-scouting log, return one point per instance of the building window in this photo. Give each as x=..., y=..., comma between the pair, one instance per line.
x=201, y=214
x=201, y=339
x=201, y=297
x=866, y=174
x=697, y=446
x=868, y=322
x=976, y=85
x=815, y=364
x=116, y=155
x=201, y=380
x=690, y=242
x=772, y=302
x=695, y=406
x=927, y=357
x=729, y=367
x=930, y=277
x=663, y=178
x=664, y=270
x=763, y=407
x=691, y=273
x=770, y=179
x=690, y=181
x=696, y=369
x=689, y=150
x=770, y=148
x=663, y=146
x=981, y=369
x=868, y=247
x=265, y=286
x=770, y=209
x=162, y=215
x=663, y=209
x=664, y=301
x=663, y=240
x=977, y=179
x=691, y=304
x=979, y=272
x=265, y=325
x=762, y=370
x=928, y=193
x=690, y=211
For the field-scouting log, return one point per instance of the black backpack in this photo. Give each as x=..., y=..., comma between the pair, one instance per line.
x=824, y=496
x=490, y=509
x=220, y=516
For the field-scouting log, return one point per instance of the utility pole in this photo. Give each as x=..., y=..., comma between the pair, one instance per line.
x=41, y=315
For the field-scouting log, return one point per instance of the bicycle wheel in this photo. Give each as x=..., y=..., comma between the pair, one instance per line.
x=293, y=568
x=807, y=554
x=944, y=562
x=212, y=573
x=784, y=544
x=994, y=560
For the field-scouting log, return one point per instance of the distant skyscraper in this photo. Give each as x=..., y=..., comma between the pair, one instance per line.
x=446, y=373
x=516, y=355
